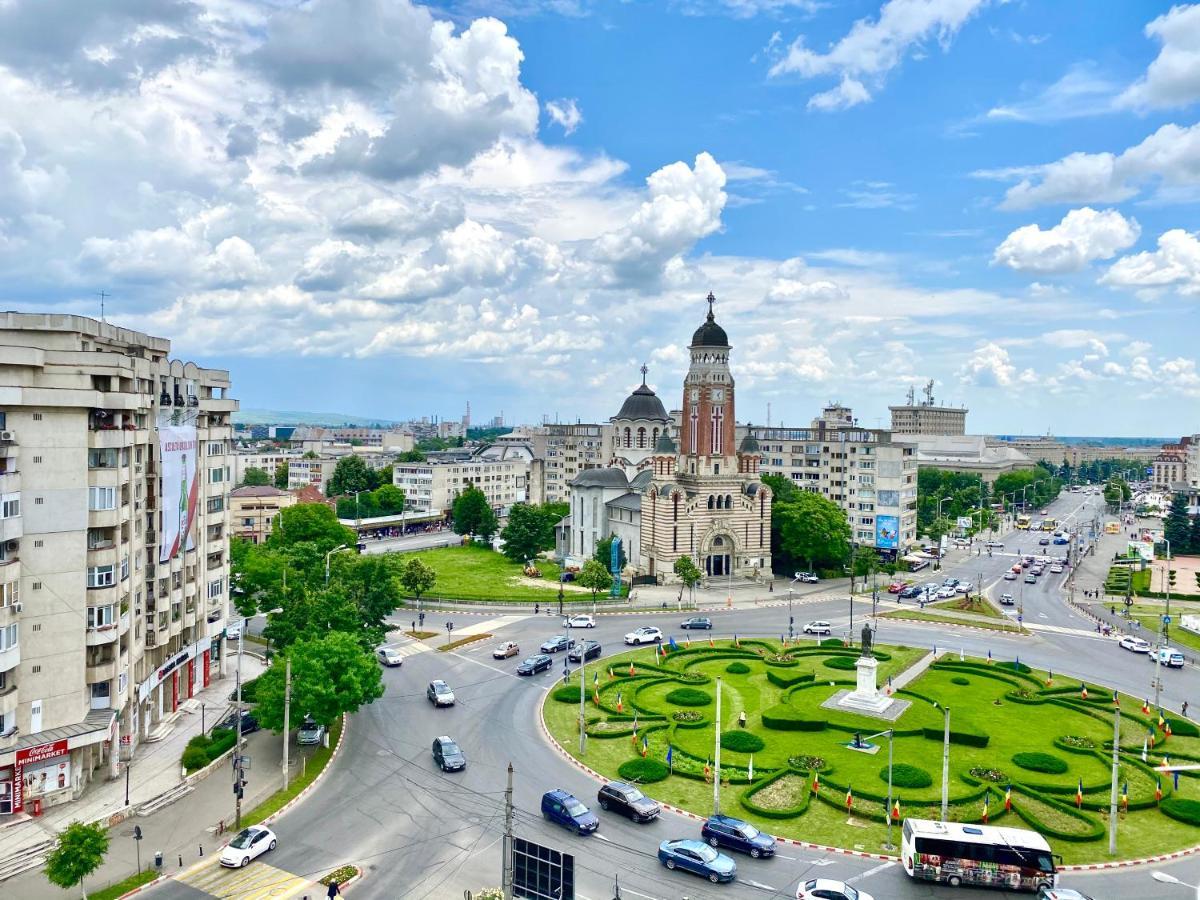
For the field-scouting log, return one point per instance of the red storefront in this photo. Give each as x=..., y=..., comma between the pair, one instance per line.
x=40, y=770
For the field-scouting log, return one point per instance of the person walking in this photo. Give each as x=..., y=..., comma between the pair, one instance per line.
x=1184, y=708
x=333, y=890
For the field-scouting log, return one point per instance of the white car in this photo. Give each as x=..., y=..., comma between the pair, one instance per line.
x=828, y=889
x=249, y=843
x=1056, y=568
x=1010, y=576
x=963, y=587
x=948, y=592
x=233, y=631
x=818, y=628
x=647, y=634
x=807, y=578
x=389, y=656
x=994, y=545
x=1168, y=656
x=1134, y=644
x=579, y=621
x=1006, y=600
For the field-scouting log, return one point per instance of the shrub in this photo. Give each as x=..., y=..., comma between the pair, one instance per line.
x=966, y=738
x=1183, y=728
x=958, y=679
x=222, y=739
x=194, y=757
x=780, y=679
x=250, y=691
x=567, y=693
x=684, y=696
x=643, y=771
x=906, y=776
x=737, y=668
x=1015, y=666
x=742, y=741
x=1186, y=811
x=845, y=663
x=1040, y=762
x=782, y=717
x=832, y=642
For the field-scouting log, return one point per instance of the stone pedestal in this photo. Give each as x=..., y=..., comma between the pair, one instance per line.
x=866, y=697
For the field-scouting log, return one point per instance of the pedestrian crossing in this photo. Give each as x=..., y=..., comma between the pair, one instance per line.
x=256, y=881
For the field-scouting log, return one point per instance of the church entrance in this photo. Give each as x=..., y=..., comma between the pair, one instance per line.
x=717, y=562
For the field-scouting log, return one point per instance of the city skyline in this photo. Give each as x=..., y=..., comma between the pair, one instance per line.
x=520, y=204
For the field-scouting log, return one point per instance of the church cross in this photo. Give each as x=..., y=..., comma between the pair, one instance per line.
x=645, y=369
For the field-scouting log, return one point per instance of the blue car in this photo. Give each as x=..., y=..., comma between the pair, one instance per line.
x=564, y=809
x=726, y=831
x=1062, y=540
x=698, y=857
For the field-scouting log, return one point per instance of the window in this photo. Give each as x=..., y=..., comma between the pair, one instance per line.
x=216, y=504
x=102, y=498
x=215, y=588
x=36, y=459
x=37, y=417
x=125, y=568
x=101, y=616
x=9, y=593
x=102, y=459
x=8, y=637
x=215, y=448
x=10, y=506
x=216, y=474
x=100, y=576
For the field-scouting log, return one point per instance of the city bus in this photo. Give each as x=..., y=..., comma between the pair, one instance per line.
x=1023, y=522
x=1049, y=524
x=954, y=853
x=1112, y=527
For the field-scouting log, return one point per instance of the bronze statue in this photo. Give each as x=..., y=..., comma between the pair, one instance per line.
x=866, y=641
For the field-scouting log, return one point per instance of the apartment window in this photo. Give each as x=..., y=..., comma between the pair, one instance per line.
x=216, y=474
x=215, y=588
x=36, y=459
x=10, y=506
x=216, y=504
x=101, y=616
x=9, y=593
x=102, y=498
x=100, y=576
x=102, y=459
x=8, y=637
x=125, y=568
x=215, y=448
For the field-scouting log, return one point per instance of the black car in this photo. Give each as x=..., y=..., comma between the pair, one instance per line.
x=1044, y=542
x=249, y=723
x=586, y=649
x=535, y=664
x=911, y=592
x=447, y=755
x=557, y=643
x=628, y=801
x=697, y=622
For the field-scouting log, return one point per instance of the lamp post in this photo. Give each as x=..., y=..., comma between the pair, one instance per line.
x=888, y=812
x=329, y=554
x=560, y=593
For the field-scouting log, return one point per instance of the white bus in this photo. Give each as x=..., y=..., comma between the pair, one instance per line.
x=1013, y=858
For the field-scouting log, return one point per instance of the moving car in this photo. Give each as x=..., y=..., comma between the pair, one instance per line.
x=910, y=592
x=586, y=649
x=1168, y=655
x=439, y=693
x=1134, y=644
x=895, y=587
x=949, y=582
x=580, y=621
x=1010, y=576
x=535, y=664
x=1048, y=893
x=505, y=650
x=1007, y=600
x=628, y=801
x=249, y=843
x=726, y=831
x=556, y=643
x=963, y=587
x=1030, y=578
x=818, y=628
x=697, y=622
x=233, y=631
x=947, y=592
x=447, y=755
x=389, y=656
x=1044, y=542
x=310, y=732
x=828, y=889
x=249, y=723
x=1016, y=569
x=1062, y=540
x=698, y=858
x=994, y=545
x=647, y=634
x=564, y=809
x=807, y=577
x=1056, y=568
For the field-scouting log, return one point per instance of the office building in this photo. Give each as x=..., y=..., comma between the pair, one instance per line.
x=430, y=487
x=927, y=417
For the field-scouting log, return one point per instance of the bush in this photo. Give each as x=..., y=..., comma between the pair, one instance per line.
x=906, y=776
x=643, y=771
x=958, y=679
x=1182, y=727
x=1040, y=762
x=779, y=679
x=203, y=748
x=782, y=717
x=250, y=691
x=737, y=668
x=1186, y=811
x=567, y=693
x=222, y=739
x=1015, y=667
x=966, y=738
x=832, y=642
x=194, y=757
x=845, y=663
x=685, y=696
x=742, y=741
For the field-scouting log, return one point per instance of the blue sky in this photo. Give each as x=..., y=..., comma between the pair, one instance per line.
x=390, y=209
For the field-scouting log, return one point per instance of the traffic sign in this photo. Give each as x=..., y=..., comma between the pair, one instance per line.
x=1166, y=620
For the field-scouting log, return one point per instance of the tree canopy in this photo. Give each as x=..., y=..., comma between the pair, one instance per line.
x=281, y=475
x=1179, y=528
x=472, y=514
x=79, y=852
x=417, y=578
x=255, y=477
x=529, y=531
x=603, y=554
x=594, y=577
x=811, y=529
x=349, y=475
x=331, y=675
x=386, y=500
x=411, y=456
x=314, y=522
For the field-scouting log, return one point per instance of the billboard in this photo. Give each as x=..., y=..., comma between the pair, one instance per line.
x=964, y=522
x=180, y=487
x=887, y=532
x=1144, y=549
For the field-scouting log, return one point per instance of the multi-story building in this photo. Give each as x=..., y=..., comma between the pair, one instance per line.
x=253, y=508
x=1082, y=453
x=430, y=487
x=970, y=454
x=309, y=470
x=1039, y=448
x=566, y=451
x=114, y=529
x=926, y=417
x=267, y=460
x=1174, y=466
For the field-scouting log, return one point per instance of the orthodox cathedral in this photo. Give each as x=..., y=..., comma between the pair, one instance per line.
x=677, y=489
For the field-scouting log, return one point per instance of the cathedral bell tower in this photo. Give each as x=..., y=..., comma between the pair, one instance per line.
x=706, y=445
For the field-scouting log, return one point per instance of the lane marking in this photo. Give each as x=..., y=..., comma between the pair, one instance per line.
x=863, y=876
x=758, y=884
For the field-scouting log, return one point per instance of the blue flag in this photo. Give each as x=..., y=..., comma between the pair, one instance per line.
x=674, y=646
x=670, y=754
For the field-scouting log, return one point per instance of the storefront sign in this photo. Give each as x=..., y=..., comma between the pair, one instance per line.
x=170, y=666
x=39, y=770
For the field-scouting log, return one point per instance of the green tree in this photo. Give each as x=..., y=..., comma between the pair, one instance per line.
x=525, y=534
x=812, y=529
x=687, y=573
x=417, y=578
x=331, y=675
x=411, y=456
x=472, y=514
x=310, y=454
x=371, y=582
x=938, y=528
x=255, y=477
x=389, y=499
x=594, y=577
x=359, y=506
x=281, y=476
x=383, y=477
x=79, y=852
x=349, y=475
x=310, y=522
x=1177, y=526
x=603, y=554
x=782, y=487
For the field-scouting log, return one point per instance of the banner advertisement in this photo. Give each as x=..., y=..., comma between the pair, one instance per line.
x=1144, y=549
x=180, y=487
x=39, y=770
x=964, y=521
x=887, y=532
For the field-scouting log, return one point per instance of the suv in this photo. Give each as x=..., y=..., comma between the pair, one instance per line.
x=647, y=634
x=1007, y=600
x=628, y=801
x=807, y=578
x=439, y=693
x=447, y=755
x=1169, y=656
x=310, y=732
x=726, y=831
x=585, y=649
x=818, y=628
x=564, y=809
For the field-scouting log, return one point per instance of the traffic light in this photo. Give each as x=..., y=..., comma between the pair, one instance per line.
x=137, y=832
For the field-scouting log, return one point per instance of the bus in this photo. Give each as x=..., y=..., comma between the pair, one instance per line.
x=1049, y=524
x=1023, y=522
x=954, y=853
x=1112, y=527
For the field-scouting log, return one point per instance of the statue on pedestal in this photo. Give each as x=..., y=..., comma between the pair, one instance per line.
x=866, y=641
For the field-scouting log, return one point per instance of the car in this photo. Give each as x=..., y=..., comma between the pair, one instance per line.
x=818, y=628
x=505, y=650
x=697, y=622
x=697, y=857
x=1056, y=568
x=249, y=723
x=628, y=801
x=647, y=634
x=439, y=693
x=947, y=592
x=1134, y=644
x=233, y=631
x=931, y=586
x=564, y=809
x=994, y=545
x=1042, y=513
x=310, y=732
x=828, y=889
x=580, y=621
x=389, y=656
x=1044, y=542
x=585, y=649
x=447, y=755
x=736, y=834
x=1007, y=600
x=807, y=577
x=556, y=643
x=1062, y=540
x=895, y=587
x=1037, y=569
x=1010, y=576
x=911, y=592
x=1030, y=578
x=1049, y=893
x=964, y=587
x=248, y=844
x=535, y=664
x=1026, y=562
x=1169, y=656
x=1016, y=569
x=950, y=582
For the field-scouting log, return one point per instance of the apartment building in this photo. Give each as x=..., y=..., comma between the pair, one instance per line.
x=115, y=572
x=310, y=471
x=566, y=451
x=267, y=460
x=253, y=508
x=430, y=487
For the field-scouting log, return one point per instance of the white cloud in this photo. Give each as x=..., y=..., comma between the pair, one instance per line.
x=848, y=93
x=1082, y=91
x=1175, y=264
x=1082, y=236
x=565, y=113
x=990, y=366
x=1173, y=78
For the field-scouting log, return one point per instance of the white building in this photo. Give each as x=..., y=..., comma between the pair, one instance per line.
x=430, y=487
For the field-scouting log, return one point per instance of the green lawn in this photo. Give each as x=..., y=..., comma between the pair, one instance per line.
x=917, y=615
x=477, y=573
x=977, y=607
x=1007, y=712
x=121, y=888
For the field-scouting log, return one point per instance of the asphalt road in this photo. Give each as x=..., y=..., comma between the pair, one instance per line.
x=424, y=834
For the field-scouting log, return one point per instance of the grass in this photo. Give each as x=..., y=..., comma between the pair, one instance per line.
x=113, y=891
x=476, y=573
x=978, y=607
x=462, y=642
x=421, y=635
x=915, y=615
x=315, y=765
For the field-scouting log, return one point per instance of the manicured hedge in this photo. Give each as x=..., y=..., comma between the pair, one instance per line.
x=779, y=679
x=1040, y=762
x=844, y=663
x=686, y=696
x=567, y=693
x=906, y=776
x=959, y=680
x=966, y=738
x=747, y=799
x=1182, y=727
x=742, y=741
x=782, y=717
x=643, y=771
x=1186, y=811
x=737, y=668
x=203, y=748
x=1094, y=831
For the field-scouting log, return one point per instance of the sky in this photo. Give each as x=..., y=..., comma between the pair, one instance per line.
x=388, y=209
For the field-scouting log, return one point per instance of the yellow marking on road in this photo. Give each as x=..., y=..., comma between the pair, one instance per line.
x=256, y=881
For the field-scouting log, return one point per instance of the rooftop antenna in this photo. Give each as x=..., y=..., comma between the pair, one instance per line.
x=929, y=393
x=103, y=295
x=768, y=413
x=912, y=395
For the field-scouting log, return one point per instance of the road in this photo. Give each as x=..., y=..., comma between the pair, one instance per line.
x=420, y=833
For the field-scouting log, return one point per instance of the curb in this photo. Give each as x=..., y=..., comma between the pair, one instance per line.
x=952, y=624
x=144, y=887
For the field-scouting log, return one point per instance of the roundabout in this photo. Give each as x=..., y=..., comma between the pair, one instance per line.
x=1027, y=749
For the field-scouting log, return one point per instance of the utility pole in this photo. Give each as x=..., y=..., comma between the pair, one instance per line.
x=237, y=744
x=1112, y=800
x=582, y=689
x=287, y=708
x=946, y=767
x=717, y=757
x=506, y=869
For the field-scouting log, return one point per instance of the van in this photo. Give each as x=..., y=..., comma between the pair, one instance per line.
x=1168, y=656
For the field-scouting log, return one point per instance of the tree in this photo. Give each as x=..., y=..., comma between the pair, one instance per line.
x=331, y=675
x=603, y=554
x=938, y=528
x=310, y=522
x=472, y=514
x=524, y=535
x=594, y=577
x=255, y=477
x=350, y=474
x=417, y=578
x=281, y=476
x=79, y=852
x=687, y=573
x=383, y=477
x=372, y=584
x=812, y=529
x=782, y=487
x=389, y=499
x=1177, y=526
x=411, y=456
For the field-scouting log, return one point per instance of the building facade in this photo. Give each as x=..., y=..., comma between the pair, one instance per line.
x=253, y=508
x=310, y=471
x=430, y=487
x=927, y=417
x=117, y=469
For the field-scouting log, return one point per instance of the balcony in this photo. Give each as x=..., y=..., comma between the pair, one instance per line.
x=110, y=438
x=103, y=518
x=9, y=698
x=100, y=635
x=11, y=529
x=10, y=658
x=101, y=669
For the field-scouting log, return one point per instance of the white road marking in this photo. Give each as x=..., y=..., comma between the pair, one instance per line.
x=863, y=876
x=631, y=892
x=758, y=884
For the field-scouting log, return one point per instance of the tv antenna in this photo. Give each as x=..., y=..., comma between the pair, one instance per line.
x=103, y=295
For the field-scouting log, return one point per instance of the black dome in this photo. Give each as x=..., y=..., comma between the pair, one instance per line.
x=710, y=334
x=643, y=404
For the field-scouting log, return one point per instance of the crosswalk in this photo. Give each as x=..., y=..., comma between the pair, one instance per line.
x=488, y=626
x=257, y=881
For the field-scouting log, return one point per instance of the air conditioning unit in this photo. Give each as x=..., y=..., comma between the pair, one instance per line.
x=8, y=435
x=16, y=606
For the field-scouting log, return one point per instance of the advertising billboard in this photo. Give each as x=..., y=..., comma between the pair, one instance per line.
x=180, y=487
x=888, y=498
x=887, y=532
x=1144, y=549
x=964, y=522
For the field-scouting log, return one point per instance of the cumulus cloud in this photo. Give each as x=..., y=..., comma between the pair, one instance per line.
x=1173, y=78
x=1175, y=265
x=990, y=366
x=565, y=114
x=1082, y=236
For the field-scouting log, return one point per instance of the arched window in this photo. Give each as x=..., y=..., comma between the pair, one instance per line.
x=710, y=501
x=641, y=438
x=675, y=502
x=654, y=438
x=628, y=438
x=728, y=501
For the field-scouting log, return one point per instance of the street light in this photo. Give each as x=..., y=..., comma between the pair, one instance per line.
x=329, y=554
x=1164, y=878
x=891, y=733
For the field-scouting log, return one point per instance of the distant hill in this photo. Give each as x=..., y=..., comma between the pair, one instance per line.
x=288, y=417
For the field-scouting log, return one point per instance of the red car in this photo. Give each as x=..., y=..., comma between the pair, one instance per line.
x=896, y=587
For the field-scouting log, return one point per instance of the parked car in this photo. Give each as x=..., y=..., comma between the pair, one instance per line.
x=556, y=643
x=895, y=587
x=1134, y=644
x=828, y=889
x=233, y=630
x=818, y=628
x=1007, y=600
x=964, y=587
x=726, y=831
x=1169, y=655
x=698, y=858
x=947, y=592
x=564, y=809
x=911, y=592
x=535, y=664
x=647, y=634
x=807, y=577
x=628, y=801
x=249, y=843
x=580, y=621
x=505, y=650
x=389, y=656
x=439, y=693
x=447, y=755
x=1056, y=568
x=697, y=622
x=585, y=649
x=310, y=732
x=994, y=545
x=249, y=723
x=949, y=582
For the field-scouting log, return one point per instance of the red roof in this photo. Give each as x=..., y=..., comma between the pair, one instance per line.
x=310, y=494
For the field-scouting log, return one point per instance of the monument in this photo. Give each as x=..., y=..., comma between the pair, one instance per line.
x=866, y=697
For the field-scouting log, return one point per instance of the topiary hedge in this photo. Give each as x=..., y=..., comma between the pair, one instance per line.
x=686, y=696
x=203, y=748
x=966, y=738
x=567, y=693
x=742, y=741
x=1186, y=811
x=1040, y=762
x=906, y=776
x=643, y=771
x=782, y=717
x=737, y=668
x=959, y=680
x=844, y=663
x=780, y=679
x=768, y=812
x=1182, y=727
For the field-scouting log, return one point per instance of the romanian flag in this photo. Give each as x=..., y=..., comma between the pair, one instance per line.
x=1008, y=797
x=687, y=641
x=645, y=746
x=707, y=772
x=1083, y=692
x=896, y=810
x=1125, y=796
x=1145, y=707
x=610, y=673
x=1167, y=729
x=659, y=651
x=816, y=781
x=710, y=642
x=596, y=697
x=986, y=801
x=736, y=642
x=1157, y=789
x=1050, y=678
x=632, y=670
x=1116, y=700
x=620, y=706
x=1079, y=794
x=849, y=798
x=1150, y=738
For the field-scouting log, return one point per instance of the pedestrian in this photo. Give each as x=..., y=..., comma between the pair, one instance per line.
x=1184, y=708
x=742, y=719
x=333, y=890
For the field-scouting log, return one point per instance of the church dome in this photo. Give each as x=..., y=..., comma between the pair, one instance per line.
x=749, y=444
x=643, y=404
x=665, y=445
x=710, y=334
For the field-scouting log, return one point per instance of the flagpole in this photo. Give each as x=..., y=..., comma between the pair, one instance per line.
x=582, y=693
x=946, y=767
x=717, y=757
x=1112, y=803
x=889, y=845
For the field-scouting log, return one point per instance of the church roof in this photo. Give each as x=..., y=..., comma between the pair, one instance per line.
x=710, y=334
x=749, y=444
x=643, y=403
x=641, y=480
x=664, y=444
x=609, y=478
x=627, y=501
